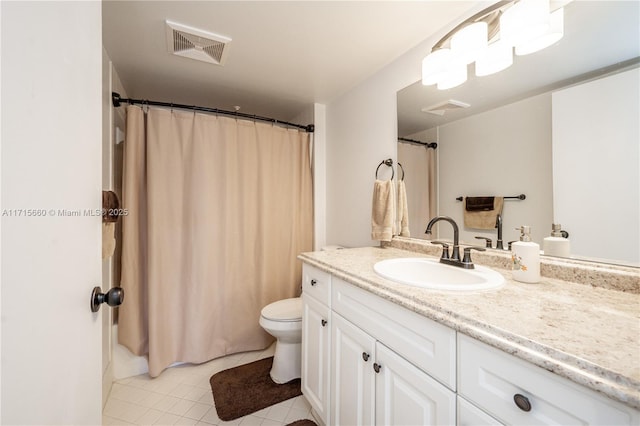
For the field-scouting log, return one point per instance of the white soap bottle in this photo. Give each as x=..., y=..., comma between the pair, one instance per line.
x=525, y=255
x=557, y=244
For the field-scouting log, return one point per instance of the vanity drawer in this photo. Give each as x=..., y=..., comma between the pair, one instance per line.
x=316, y=283
x=426, y=344
x=491, y=379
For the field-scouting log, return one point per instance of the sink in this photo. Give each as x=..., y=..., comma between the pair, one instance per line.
x=430, y=273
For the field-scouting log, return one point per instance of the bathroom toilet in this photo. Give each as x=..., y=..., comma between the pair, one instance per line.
x=283, y=320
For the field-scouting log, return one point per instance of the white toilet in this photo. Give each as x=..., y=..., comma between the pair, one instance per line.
x=283, y=320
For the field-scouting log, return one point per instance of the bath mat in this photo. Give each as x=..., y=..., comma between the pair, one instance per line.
x=305, y=422
x=248, y=388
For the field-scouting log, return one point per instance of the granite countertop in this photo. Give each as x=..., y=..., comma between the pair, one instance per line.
x=587, y=334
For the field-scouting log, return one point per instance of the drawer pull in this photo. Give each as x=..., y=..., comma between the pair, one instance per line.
x=313, y=282
x=522, y=402
x=365, y=356
x=323, y=322
x=376, y=367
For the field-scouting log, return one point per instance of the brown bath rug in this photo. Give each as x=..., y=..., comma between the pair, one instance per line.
x=248, y=388
x=305, y=422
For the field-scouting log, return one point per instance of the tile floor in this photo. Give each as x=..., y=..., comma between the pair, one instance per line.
x=181, y=395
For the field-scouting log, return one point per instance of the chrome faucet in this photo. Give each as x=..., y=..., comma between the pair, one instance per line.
x=455, y=256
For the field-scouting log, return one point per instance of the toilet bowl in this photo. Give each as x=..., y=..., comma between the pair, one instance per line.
x=283, y=320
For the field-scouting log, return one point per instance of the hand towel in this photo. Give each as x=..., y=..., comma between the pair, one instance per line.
x=108, y=239
x=383, y=210
x=402, y=211
x=110, y=206
x=474, y=204
x=482, y=219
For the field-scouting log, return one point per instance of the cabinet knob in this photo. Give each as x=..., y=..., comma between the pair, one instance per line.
x=313, y=282
x=522, y=402
x=365, y=356
x=376, y=367
x=323, y=322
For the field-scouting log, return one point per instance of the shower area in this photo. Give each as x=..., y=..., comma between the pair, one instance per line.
x=217, y=208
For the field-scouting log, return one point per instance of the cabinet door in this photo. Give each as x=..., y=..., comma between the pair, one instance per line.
x=352, y=376
x=405, y=395
x=315, y=355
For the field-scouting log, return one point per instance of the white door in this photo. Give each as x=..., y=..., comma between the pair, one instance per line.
x=51, y=182
x=407, y=396
x=315, y=355
x=352, y=376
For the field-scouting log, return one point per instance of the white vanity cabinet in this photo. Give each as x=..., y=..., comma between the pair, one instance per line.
x=372, y=381
x=516, y=392
x=316, y=339
x=367, y=360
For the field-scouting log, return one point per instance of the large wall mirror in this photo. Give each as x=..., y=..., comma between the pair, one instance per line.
x=560, y=125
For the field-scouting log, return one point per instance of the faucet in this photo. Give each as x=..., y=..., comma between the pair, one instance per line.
x=455, y=256
x=499, y=243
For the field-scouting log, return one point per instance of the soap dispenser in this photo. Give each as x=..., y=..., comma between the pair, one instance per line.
x=525, y=255
x=557, y=244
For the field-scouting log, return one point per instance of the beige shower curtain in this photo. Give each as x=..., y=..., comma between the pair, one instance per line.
x=419, y=163
x=218, y=210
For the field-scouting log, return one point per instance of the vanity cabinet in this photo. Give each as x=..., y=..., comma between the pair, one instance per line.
x=516, y=392
x=372, y=383
x=367, y=360
x=316, y=339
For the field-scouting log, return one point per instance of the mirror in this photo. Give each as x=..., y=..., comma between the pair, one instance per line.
x=528, y=130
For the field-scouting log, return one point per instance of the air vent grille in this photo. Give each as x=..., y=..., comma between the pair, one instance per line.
x=196, y=44
x=442, y=107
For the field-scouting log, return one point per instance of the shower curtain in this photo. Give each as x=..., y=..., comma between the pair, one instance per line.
x=218, y=210
x=419, y=162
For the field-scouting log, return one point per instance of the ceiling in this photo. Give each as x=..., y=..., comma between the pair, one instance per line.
x=283, y=55
x=598, y=35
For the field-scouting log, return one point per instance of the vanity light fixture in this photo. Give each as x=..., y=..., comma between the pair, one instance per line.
x=489, y=37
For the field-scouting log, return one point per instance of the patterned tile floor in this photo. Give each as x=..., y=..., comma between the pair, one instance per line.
x=181, y=395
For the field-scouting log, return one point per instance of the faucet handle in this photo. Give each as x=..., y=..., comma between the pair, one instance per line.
x=467, y=253
x=445, y=249
x=488, y=241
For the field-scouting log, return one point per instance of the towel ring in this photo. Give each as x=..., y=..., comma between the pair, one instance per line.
x=401, y=168
x=387, y=162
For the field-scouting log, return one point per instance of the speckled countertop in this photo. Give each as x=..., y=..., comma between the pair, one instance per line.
x=590, y=335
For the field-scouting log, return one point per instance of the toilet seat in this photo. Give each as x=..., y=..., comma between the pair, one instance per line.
x=287, y=310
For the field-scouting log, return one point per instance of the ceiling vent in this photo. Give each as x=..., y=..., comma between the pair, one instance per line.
x=197, y=44
x=442, y=107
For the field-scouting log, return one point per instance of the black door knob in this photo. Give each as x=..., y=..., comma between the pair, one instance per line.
x=113, y=297
x=365, y=356
x=377, y=367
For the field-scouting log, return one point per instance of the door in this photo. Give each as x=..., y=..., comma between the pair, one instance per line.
x=407, y=396
x=315, y=355
x=352, y=376
x=51, y=173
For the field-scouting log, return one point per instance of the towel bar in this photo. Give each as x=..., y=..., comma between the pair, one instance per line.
x=516, y=197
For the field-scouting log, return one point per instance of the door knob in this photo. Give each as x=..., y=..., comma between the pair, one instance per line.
x=113, y=297
x=377, y=367
x=365, y=356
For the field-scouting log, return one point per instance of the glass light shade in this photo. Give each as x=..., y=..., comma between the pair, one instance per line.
x=469, y=43
x=455, y=75
x=497, y=57
x=435, y=66
x=552, y=35
x=524, y=21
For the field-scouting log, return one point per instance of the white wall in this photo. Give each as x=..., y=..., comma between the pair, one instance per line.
x=502, y=152
x=596, y=158
x=362, y=131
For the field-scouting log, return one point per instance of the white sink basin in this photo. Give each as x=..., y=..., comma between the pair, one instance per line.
x=430, y=273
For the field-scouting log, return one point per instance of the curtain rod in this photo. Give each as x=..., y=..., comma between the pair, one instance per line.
x=117, y=101
x=428, y=145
